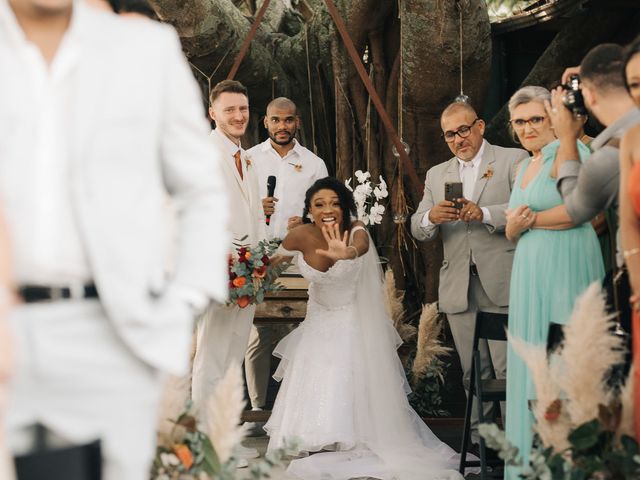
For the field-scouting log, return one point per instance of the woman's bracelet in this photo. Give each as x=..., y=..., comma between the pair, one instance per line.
x=355, y=250
x=631, y=252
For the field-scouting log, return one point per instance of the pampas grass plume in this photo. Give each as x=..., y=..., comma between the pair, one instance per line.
x=590, y=350
x=429, y=345
x=225, y=408
x=395, y=308
x=552, y=433
x=172, y=404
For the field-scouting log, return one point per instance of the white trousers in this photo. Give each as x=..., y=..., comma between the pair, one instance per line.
x=77, y=377
x=221, y=338
x=491, y=352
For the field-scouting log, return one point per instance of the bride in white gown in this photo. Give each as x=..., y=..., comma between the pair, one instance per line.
x=344, y=388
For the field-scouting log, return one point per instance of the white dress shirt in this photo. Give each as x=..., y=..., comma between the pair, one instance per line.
x=474, y=164
x=295, y=173
x=36, y=161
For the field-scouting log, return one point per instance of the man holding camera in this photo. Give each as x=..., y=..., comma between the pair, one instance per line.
x=588, y=189
x=477, y=255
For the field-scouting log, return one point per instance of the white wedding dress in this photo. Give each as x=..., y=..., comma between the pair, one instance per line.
x=344, y=389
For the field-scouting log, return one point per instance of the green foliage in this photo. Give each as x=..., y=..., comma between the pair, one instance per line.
x=426, y=395
x=595, y=453
x=252, y=274
x=188, y=454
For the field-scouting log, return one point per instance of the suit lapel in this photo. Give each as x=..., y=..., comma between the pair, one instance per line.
x=486, y=165
x=230, y=167
x=453, y=171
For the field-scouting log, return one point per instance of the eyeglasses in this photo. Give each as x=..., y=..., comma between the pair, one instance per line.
x=535, y=122
x=463, y=132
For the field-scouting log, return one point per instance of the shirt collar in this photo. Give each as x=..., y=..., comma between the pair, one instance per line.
x=616, y=128
x=477, y=159
x=228, y=144
x=266, y=146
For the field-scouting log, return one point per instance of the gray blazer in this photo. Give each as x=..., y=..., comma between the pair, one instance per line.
x=492, y=252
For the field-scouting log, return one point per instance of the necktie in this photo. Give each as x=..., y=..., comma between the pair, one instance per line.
x=468, y=180
x=238, y=162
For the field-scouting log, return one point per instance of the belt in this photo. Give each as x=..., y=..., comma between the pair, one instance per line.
x=40, y=293
x=473, y=269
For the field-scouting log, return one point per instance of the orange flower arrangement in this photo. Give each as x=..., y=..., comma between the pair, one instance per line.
x=252, y=275
x=184, y=455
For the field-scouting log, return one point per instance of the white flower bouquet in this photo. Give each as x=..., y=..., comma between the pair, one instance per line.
x=367, y=195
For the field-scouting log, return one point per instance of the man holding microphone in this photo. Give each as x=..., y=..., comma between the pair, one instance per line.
x=294, y=169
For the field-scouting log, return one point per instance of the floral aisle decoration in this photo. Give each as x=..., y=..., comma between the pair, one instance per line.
x=583, y=423
x=192, y=451
x=428, y=368
x=394, y=305
x=421, y=350
x=367, y=196
x=252, y=274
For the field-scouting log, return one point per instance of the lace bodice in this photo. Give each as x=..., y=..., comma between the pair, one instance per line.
x=335, y=288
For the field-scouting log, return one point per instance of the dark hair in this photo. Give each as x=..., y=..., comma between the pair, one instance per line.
x=227, y=86
x=345, y=197
x=602, y=67
x=629, y=52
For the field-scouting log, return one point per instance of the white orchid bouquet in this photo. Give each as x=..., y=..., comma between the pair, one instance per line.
x=367, y=196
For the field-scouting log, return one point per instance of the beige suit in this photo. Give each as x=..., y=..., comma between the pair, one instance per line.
x=492, y=254
x=223, y=331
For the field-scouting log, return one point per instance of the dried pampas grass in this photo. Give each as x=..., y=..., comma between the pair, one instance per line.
x=429, y=346
x=395, y=308
x=590, y=350
x=175, y=394
x=553, y=432
x=225, y=408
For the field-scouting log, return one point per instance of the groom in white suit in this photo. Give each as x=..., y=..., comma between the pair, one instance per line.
x=101, y=119
x=223, y=331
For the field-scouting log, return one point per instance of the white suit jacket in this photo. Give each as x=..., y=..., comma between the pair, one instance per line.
x=139, y=133
x=246, y=220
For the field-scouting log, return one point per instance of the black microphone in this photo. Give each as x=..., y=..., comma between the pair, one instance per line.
x=271, y=188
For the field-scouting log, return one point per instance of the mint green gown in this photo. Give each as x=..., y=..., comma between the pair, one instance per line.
x=550, y=269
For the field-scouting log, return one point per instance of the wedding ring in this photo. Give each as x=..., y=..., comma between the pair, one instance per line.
x=523, y=215
x=554, y=110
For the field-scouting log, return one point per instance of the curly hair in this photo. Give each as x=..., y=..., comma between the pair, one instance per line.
x=345, y=198
x=630, y=51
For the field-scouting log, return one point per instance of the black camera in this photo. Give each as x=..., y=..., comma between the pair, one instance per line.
x=573, y=98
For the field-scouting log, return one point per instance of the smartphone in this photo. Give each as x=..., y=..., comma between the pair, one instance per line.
x=453, y=191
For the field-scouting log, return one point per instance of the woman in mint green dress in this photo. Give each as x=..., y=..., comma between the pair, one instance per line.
x=550, y=268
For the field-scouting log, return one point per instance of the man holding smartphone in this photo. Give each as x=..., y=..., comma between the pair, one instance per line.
x=477, y=255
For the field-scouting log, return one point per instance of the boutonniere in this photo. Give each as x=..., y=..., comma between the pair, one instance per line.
x=248, y=161
x=297, y=166
x=488, y=174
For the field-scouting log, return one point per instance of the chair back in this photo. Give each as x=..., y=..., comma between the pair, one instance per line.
x=491, y=326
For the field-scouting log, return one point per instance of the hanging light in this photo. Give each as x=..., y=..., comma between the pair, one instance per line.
x=462, y=98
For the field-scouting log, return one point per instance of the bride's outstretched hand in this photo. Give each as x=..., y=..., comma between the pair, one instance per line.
x=336, y=243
